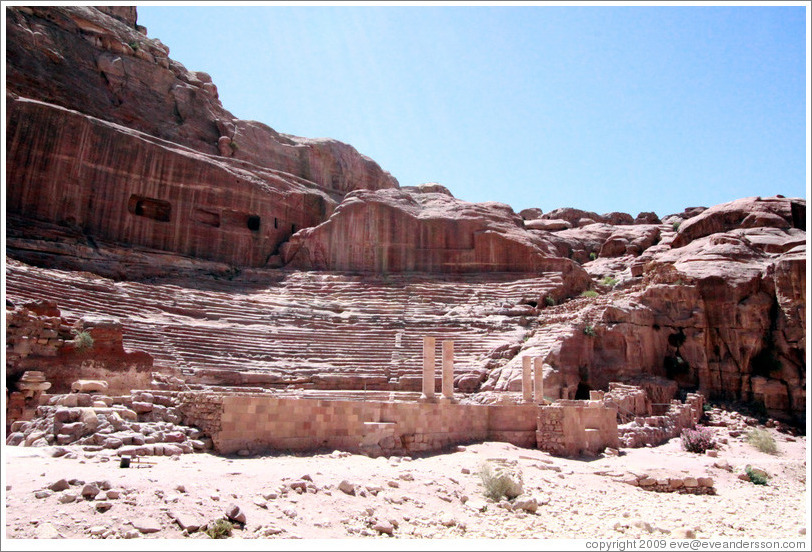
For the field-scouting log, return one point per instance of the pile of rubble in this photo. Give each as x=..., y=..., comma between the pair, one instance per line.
x=682, y=485
x=139, y=424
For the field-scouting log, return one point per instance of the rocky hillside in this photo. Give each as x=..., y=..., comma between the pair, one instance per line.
x=125, y=166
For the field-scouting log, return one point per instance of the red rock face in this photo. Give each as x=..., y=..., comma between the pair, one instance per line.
x=748, y=212
x=411, y=230
x=733, y=298
x=38, y=337
x=101, y=65
x=127, y=187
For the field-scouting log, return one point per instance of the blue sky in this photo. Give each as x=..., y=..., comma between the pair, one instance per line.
x=628, y=108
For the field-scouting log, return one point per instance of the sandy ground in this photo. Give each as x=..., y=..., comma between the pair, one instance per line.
x=438, y=496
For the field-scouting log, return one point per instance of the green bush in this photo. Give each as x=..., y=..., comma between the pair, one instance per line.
x=589, y=293
x=549, y=301
x=589, y=330
x=83, y=341
x=755, y=478
x=697, y=440
x=220, y=529
x=762, y=440
x=609, y=281
x=675, y=226
x=593, y=256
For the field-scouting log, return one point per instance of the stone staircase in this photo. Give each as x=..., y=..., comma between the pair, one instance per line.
x=314, y=329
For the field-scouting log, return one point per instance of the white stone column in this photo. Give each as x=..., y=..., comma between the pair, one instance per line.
x=527, y=383
x=538, y=375
x=448, y=369
x=428, y=367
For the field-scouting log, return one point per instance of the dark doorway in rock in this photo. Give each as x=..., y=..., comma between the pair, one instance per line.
x=582, y=393
x=149, y=207
x=253, y=223
x=798, y=216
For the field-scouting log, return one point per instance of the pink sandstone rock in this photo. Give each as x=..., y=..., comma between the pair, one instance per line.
x=400, y=230
x=776, y=212
x=113, y=71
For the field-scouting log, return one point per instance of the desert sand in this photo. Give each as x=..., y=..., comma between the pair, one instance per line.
x=437, y=496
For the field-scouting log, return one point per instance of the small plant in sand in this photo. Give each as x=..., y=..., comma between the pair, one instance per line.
x=220, y=529
x=590, y=330
x=498, y=483
x=589, y=293
x=756, y=478
x=549, y=301
x=762, y=440
x=697, y=440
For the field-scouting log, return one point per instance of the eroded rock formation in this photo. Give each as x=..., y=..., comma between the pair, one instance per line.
x=711, y=313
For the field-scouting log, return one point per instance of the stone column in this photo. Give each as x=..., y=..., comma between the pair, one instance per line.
x=448, y=369
x=428, y=367
x=538, y=390
x=527, y=384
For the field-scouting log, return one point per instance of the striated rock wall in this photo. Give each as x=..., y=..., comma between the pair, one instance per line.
x=124, y=186
x=101, y=63
x=416, y=230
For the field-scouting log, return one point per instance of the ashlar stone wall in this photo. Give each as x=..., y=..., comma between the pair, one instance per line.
x=257, y=422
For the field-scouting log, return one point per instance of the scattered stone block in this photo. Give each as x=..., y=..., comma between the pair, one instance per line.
x=146, y=525
x=68, y=497
x=528, y=504
x=48, y=531
x=346, y=487
x=60, y=485
x=234, y=513
x=89, y=386
x=90, y=491
x=187, y=522
x=383, y=527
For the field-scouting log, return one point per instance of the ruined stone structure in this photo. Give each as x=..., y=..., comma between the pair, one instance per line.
x=38, y=338
x=394, y=423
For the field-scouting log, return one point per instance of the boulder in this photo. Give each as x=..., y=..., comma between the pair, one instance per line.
x=346, y=487
x=234, y=513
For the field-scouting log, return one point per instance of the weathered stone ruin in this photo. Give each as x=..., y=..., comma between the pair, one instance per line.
x=247, y=290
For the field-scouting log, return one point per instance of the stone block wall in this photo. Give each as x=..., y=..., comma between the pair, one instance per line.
x=203, y=410
x=35, y=331
x=260, y=421
x=573, y=427
x=516, y=424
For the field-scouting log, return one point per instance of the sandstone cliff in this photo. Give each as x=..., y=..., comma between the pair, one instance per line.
x=717, y=306
x=104, y=66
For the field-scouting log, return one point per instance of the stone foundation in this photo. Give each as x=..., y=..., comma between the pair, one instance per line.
x=390, y=423
x=655, y=430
